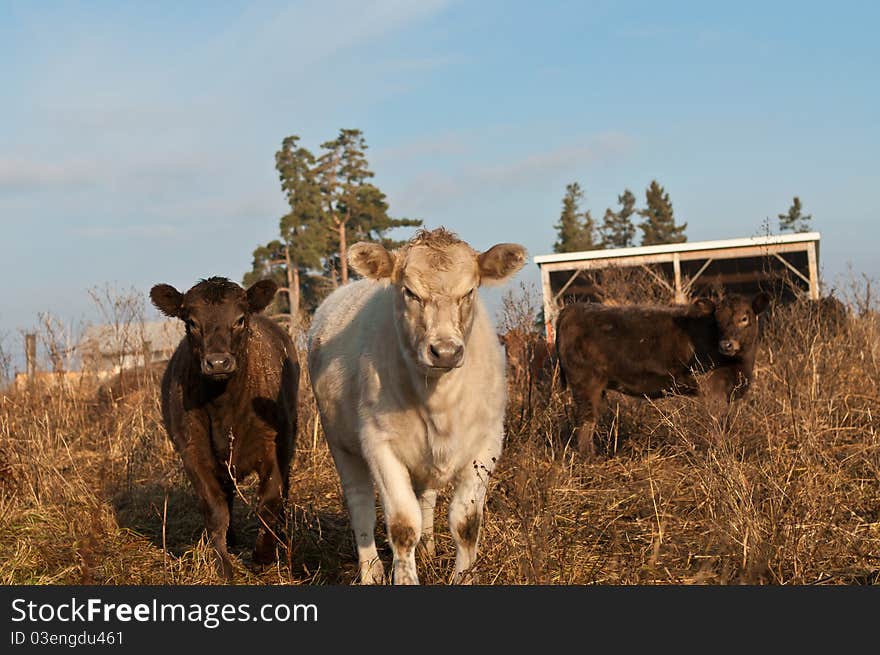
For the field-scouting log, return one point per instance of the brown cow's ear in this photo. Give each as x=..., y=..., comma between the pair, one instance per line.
x=500, y=262
x=703, y=306
x=167, y=299
x=760, y=302
x=371, y=260
x=260, y=294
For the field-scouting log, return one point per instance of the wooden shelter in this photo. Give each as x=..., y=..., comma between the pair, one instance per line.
x=785, y=266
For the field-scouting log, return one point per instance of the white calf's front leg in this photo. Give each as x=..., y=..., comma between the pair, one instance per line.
x=466, y=512
x=403, y=515
x=360, y=498
x=427, y=501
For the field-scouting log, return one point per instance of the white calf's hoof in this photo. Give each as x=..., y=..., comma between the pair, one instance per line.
x=372, y=572
x=405, y=574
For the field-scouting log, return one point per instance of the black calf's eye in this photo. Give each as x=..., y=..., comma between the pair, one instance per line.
x=191, y=325
x=239, y=322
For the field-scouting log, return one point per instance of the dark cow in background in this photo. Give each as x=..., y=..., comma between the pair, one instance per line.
x=229, y=401
x=530, y=361
x=830, y=314
x=652, y=350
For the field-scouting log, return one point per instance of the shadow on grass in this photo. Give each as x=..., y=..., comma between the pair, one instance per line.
x=316, y=546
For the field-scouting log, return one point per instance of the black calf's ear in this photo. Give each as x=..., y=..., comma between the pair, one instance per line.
x=260, y=294
x=760, y=302
x=167, y=299
x=703, y=306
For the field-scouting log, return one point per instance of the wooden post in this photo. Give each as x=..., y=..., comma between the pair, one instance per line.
x=30, y=354
x=676, y=269
x=814, y=270
x=549, y=305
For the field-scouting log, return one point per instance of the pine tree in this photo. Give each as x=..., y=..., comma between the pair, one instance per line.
x=357, y=210
x=303, y=235
x=794, y=220
x=659, y=224
x=574, y=229
x=617, y=228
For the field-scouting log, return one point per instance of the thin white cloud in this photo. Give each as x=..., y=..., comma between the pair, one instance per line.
x=25, y=174
x=152, y=231
x=431, y=190
x=548, y=163
x=127, y=168
x=419, y=65
x=425, y=148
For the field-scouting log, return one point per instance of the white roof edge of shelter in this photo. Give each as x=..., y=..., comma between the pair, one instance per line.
x=688, y=246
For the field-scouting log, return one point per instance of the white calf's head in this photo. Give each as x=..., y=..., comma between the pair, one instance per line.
x=435, y=278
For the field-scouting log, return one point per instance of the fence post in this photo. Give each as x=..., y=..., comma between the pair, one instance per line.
x=30, y=354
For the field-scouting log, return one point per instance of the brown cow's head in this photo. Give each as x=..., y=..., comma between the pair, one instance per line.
x=435, y=278
x=737, y=322
x=216, y=312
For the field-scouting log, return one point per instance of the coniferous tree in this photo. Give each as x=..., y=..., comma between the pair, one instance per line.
x=303, y=235
x=659, y=224
x=794, y=220
x=342, y=169
x=331, y=205
x=575, y=228
x=617, y=228
x=369, y=217
x=356, y=209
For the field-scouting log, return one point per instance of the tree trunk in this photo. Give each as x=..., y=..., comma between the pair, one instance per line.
x=343, y=258
x=294, y=310
x=292, y=291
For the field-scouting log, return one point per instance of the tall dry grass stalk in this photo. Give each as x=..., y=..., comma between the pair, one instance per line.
x=91, y=490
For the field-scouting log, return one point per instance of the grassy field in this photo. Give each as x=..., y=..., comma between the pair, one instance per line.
x=92, y=492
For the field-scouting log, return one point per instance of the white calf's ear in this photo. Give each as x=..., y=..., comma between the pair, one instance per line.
x=167, y=299
x=371, y=260
x=500, y=262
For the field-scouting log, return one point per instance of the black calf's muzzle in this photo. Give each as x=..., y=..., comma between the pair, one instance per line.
x=728, y=346
x=218, y=364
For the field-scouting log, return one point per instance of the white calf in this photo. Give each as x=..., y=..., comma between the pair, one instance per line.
x=409, y=379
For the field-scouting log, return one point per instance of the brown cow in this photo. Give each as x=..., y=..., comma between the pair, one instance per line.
x=229, y=399
x=651, y=351
x=530, y=362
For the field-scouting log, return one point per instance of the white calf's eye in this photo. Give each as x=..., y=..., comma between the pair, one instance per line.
x=408, y=293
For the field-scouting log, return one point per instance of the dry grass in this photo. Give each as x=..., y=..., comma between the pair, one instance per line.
x=92, y=492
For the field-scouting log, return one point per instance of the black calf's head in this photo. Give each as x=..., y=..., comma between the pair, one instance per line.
x=216, y=312
x=738, y=323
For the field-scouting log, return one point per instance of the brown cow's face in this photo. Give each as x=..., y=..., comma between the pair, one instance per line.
x=216, y=313
x=435, y=280
x=738, y=323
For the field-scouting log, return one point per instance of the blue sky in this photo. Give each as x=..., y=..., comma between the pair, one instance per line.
x=137, y=139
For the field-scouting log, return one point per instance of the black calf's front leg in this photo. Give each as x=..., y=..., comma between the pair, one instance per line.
x=721, y=387
x=214, y=503
x=229, y=489
x=273, y=488
x=587, y=396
